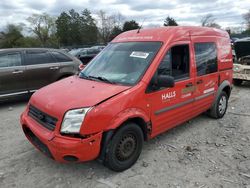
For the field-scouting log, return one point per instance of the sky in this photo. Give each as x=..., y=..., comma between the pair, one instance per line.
x=228, y=13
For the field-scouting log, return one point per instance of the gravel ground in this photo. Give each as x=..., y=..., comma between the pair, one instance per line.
x=200, y=153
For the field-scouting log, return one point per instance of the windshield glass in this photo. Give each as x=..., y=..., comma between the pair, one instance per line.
x=122, y=63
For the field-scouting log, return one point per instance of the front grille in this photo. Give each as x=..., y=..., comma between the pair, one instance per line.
x=247, y=71
x=37, y=142
x=42, y=118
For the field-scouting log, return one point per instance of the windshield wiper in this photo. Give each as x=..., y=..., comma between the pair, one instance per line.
x=102, y=79
x=82, y=75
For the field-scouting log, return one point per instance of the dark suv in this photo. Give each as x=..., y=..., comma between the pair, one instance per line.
x=86, y=56
x=23, y=71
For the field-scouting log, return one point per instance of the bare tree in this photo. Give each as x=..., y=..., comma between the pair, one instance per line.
x=107, y=23
x=209, y=21
x=247, y=19
x=42, y=25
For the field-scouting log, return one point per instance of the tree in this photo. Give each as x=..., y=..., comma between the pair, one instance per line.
x=63, y=29
x=130, y=25
x=89, y=28
x=116, y=31
x=43, y=26
x=106, y=25
x=11, y=36
x=209, y=21
x=170, y=22
x=74, y=28
x=247, y=19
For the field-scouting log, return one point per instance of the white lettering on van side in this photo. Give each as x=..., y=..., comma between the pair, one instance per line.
x=169, y=95
x=135, y=38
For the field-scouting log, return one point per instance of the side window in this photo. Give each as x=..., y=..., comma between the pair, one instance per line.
x=175, y=63
x=60, y=57
x=38, y=57
x=205, y=58
x=10, y=60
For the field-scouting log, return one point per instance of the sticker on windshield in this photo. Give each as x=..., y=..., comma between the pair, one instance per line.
x=142, y=55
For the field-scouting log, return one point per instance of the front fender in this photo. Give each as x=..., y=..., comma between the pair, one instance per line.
x=127, y=114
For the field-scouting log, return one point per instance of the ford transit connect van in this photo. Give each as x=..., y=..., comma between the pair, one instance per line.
x=142, y=84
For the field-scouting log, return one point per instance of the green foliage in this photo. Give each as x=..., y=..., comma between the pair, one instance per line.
x=11, y=36
x=170, y=22
x=130, y=25
x=115, y=32
x=76, y=29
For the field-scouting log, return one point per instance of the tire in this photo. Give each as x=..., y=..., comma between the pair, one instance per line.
x=237, y=82
x=220, y=107
x=124, y=148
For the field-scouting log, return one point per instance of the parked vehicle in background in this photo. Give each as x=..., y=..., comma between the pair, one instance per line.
x=143, y=84
x=242, y=62
x=76, y=52
x=86, y=56
x=23, y=71
x=100, y=47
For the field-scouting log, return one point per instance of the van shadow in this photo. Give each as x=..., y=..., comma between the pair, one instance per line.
x=245, y=84
x=15, y=102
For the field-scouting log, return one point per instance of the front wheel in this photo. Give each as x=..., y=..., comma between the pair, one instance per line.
x=124, y=148
x=220, y=107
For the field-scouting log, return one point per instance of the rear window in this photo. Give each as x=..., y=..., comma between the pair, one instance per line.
x=38, y=57
x=206, y=58
x=10, y=60
x=60, y=57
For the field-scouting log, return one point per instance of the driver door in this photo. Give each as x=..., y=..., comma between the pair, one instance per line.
x=172, y=106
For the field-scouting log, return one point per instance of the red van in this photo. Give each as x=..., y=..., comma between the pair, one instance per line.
x=142, y=84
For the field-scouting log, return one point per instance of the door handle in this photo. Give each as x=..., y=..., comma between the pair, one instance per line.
x=199, y=82
x=54, y=68
x=17, y=72
x=189, y=84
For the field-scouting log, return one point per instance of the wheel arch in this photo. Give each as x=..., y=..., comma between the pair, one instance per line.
x=139, y=119
x=226, y=87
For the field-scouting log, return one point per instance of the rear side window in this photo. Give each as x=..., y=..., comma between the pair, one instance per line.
x=38, y=57
x=206, y=58
x=60, y=57
x=10, y=60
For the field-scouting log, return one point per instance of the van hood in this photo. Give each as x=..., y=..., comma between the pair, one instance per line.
x=242, y=48
x=71, y=93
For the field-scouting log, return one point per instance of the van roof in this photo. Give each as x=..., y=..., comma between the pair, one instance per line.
x=169, y=33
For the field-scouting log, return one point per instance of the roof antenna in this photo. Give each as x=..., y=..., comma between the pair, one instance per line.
x=138, y=31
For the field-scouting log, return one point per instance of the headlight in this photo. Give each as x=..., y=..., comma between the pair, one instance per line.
x=73, y=120
x=237, y=68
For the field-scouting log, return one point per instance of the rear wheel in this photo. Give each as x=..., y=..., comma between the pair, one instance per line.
x=125, y=148
x=237, y=82
x=220, y=107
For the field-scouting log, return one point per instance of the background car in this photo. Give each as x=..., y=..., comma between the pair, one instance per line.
x=86, y=56
x=100, y=47
x=23, y=71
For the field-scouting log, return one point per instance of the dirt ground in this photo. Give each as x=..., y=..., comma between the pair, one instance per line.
x=200, y=153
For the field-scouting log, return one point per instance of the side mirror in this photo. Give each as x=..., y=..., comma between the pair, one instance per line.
x=165, y=81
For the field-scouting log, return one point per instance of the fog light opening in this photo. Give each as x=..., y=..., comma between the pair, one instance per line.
x=70, y=158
